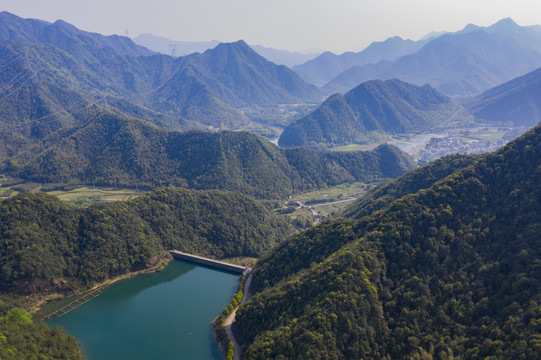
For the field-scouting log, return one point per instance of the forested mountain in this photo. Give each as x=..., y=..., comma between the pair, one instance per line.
x=517, y=102
x=448, y=271
x=457, y=64
x=51, y=245
x=114, y=149
x=204, y=88
x=390, y=106
x=242, y=77
x=414, y=181
x=33, y=109
x=326, y=66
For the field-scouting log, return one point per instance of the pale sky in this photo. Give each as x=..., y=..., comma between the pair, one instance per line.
x=296, y=25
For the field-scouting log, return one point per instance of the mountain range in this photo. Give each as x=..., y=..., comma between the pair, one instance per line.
x=204, y=88
x=395, y=107
x=181, y=48
x=463, y=63
x=327, y=66
x=446, y=266
x=517, y=102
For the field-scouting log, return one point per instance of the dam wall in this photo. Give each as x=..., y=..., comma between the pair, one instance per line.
x=209, y=262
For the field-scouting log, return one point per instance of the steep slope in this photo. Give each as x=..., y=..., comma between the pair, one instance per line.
x=448, y=271
x=114, y=149
x=100, y=73
x=40, y=100
x=243, y=77
x=390, y=106
x=414, y=181
x=517, y=102
x=23, y=338
x=455, y=64
x=326, y=66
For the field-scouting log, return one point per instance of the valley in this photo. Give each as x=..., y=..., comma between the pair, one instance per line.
x=387, y=200
x=430, y=146
x=79, y=195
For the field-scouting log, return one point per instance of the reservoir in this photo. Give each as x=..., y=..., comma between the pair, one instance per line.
x=165, y=315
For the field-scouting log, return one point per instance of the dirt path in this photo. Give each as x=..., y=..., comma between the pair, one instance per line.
x=231, y=319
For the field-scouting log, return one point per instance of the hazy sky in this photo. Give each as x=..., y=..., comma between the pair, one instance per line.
x=335, y=25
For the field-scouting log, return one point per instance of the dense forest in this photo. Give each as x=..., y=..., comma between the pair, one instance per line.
x=114, y=149
x=49, y=245
x=448, y=267
x=23, y=338
x=410, y=183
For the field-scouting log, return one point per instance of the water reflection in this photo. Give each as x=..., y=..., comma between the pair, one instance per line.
x=164, y=315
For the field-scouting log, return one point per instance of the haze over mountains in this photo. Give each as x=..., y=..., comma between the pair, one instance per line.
x=76, y=110
x=396, y=107
x=326, y=66
x=204, y=88
x=181, y=48
x=517, y=102
x=464, y=63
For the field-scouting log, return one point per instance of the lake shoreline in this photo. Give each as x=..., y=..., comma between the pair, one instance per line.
x=39, y=301
x=135, y=318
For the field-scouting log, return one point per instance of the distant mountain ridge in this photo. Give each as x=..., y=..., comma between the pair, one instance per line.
x=174, y=48
x=181, y=48
x=517, y=102
x=64, y=35
x=326, y=66
x=390, y=106
x=464, y=63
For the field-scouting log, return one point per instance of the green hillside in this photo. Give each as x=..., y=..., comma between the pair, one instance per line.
x=113, y=149
x=449, y=271
x=410, y=183
x=51, y=245
x=23, y=338
x=391, y=106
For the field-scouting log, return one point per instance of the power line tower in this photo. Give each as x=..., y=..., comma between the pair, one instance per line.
x=173, y=49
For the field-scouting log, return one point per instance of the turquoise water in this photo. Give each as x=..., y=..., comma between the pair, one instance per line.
x=165, y=315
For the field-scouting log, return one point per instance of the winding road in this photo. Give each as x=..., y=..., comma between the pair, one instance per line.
x=231, y=319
